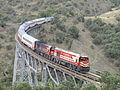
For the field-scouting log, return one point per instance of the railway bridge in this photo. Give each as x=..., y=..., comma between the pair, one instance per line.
x=29, y=66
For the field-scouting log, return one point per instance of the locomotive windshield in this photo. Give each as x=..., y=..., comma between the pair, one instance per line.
x=83, y=59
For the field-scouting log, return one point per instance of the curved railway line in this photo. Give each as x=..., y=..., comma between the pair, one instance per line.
x=90, y=77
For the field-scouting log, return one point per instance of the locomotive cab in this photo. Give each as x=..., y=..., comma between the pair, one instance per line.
x=84, y=63
x=52, y=48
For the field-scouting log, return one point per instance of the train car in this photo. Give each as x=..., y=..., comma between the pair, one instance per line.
x=32, y=23
x=21, y=32
x=29, y=41
x=42, y=48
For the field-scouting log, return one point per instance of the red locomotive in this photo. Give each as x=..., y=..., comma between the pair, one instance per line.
x=69, y=59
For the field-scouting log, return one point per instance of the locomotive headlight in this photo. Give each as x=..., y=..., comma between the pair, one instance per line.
x=83, y=64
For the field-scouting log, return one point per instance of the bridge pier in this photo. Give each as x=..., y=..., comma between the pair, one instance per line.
x=44, y=73
x=25, y=68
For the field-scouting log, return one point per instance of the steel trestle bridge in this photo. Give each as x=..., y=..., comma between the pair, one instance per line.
x=28, y=65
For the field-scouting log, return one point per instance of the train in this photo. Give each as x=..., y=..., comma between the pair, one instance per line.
x=71, y=60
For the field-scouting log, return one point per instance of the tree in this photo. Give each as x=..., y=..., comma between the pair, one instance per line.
x=60, y=37
x=73, y=31
x=47, y=86
x=87, y=11
x=66, y=85
x=1, y=87
x=61, y=26
x=9, y=47
x=111, y=81
x=98, y=21
x=106, y=34
x=118, y=19
x=97, y=40
x=93, y=34
x=23, y=86
x=115, y=2
x=80, y=18
x=2, y=23
x=89, y=87
x=113, y=50
x=46, y=13
x=88, y=23
x=0, y=45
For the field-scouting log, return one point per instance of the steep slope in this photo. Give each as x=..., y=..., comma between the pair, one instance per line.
x=98, y=61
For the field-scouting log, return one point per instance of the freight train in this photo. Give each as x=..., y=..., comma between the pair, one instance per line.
x=74, y=61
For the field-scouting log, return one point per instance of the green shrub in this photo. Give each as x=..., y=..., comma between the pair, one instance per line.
x=60, y=37
x=34, y=8
x=89, y=87
x=75, y=21
x=2, y=23
x=55, y=20
x=70, y=44
x=82, y=3
x=117, y=63
x=88, y=23
x=118, y=19
x=113, y=50
x=46, y=13
x=2, y=87
x=73, y=31
x=23, y=86
x=111, y=81
x=9, y=47
x=93, y=34
x=18, y=1
x=87, y=11
x=80, y=18
x=0, y=45
x=67, y=40
x=65, y=11
x=115, y=2
x=9, y=10
x=92, y=46
x=107, y=35
x=61, y=27
x=52, y=29
x=97, y=40
x=2, y=36
x=62, y=10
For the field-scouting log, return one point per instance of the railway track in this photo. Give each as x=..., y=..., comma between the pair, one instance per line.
x=90, y=77
x=87, y=76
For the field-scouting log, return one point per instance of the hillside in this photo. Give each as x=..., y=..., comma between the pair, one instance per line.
x=108, y=17
x=82, y=45
x=68, y=25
